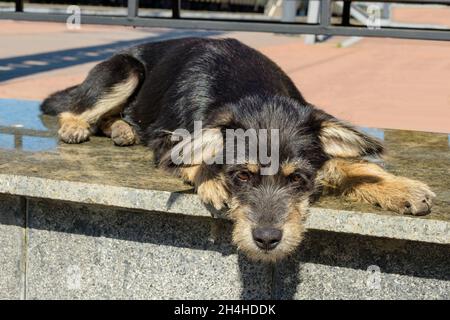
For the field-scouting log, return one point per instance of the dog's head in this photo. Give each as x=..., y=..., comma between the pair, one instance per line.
x=268, y=190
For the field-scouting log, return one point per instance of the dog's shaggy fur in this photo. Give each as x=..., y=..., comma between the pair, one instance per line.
x=145, y=93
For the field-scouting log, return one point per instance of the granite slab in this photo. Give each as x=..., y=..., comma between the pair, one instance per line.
x=87, y=252
x=340, y=266
x=12, y=248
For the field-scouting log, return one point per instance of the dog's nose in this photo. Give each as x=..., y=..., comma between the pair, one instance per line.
x=267, y=238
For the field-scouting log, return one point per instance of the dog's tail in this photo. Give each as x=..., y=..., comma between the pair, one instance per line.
x=59, y=101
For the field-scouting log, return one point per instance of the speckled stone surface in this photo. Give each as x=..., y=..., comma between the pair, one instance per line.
x=12, y=248
x=372, y=224
x=80, y=251
x=85, y=252
x=340, y=266
x=34, y=164
x=90, y=252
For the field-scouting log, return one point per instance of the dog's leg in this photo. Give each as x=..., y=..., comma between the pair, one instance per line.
x=104, y=92
x=192, y=166
x=121, y=133
x=368, y=182
x=210, y=186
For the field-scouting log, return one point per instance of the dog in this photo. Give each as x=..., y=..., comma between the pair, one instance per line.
x=146, y=93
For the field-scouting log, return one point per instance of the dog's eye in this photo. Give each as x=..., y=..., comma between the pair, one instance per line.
x=243, y=176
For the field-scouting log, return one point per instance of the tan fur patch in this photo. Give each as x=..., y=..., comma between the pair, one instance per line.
x=369, y=183
x=252, y=167
x=340, y=141
x=211, y=188
x=214, y=192
x=288, y=168
x=123, y=134
x=189, y=173
x=294, y=227
x=242, y=230
x=112, y=101
x=73, y=129
x=119, y=131
x=105, y=125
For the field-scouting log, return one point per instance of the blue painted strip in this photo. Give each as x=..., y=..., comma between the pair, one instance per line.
x=374, y=132
x=21, y=113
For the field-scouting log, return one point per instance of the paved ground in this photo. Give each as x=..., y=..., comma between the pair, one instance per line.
x=376, y=82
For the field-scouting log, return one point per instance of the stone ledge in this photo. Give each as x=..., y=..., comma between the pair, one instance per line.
x=341, y=221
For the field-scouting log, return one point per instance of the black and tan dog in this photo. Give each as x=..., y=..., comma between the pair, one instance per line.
x=145, y=93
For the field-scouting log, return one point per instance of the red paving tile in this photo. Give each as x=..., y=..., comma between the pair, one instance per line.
x=438, y=15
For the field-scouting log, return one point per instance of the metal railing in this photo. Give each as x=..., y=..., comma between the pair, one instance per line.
x=324, y=27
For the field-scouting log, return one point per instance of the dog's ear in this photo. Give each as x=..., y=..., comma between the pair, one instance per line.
x=340, y=139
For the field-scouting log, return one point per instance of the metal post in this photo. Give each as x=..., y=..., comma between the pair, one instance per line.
x=386, y=11
x=19, y=5
x=133, y=7
x=176, y=7
x=312, y=18
x=346, y=13
x=325, y=13
x=289, y=10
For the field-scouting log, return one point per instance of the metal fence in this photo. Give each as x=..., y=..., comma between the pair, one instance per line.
x=324, y=27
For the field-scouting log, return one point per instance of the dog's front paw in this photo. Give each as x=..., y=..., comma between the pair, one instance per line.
x=213, y=192
x=407, y=196
x=73, y=129
x=122, y=134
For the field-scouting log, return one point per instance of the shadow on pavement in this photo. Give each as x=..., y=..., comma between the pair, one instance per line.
x=21, y=66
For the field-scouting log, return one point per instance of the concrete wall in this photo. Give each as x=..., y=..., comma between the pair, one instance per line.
x=59, y=250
